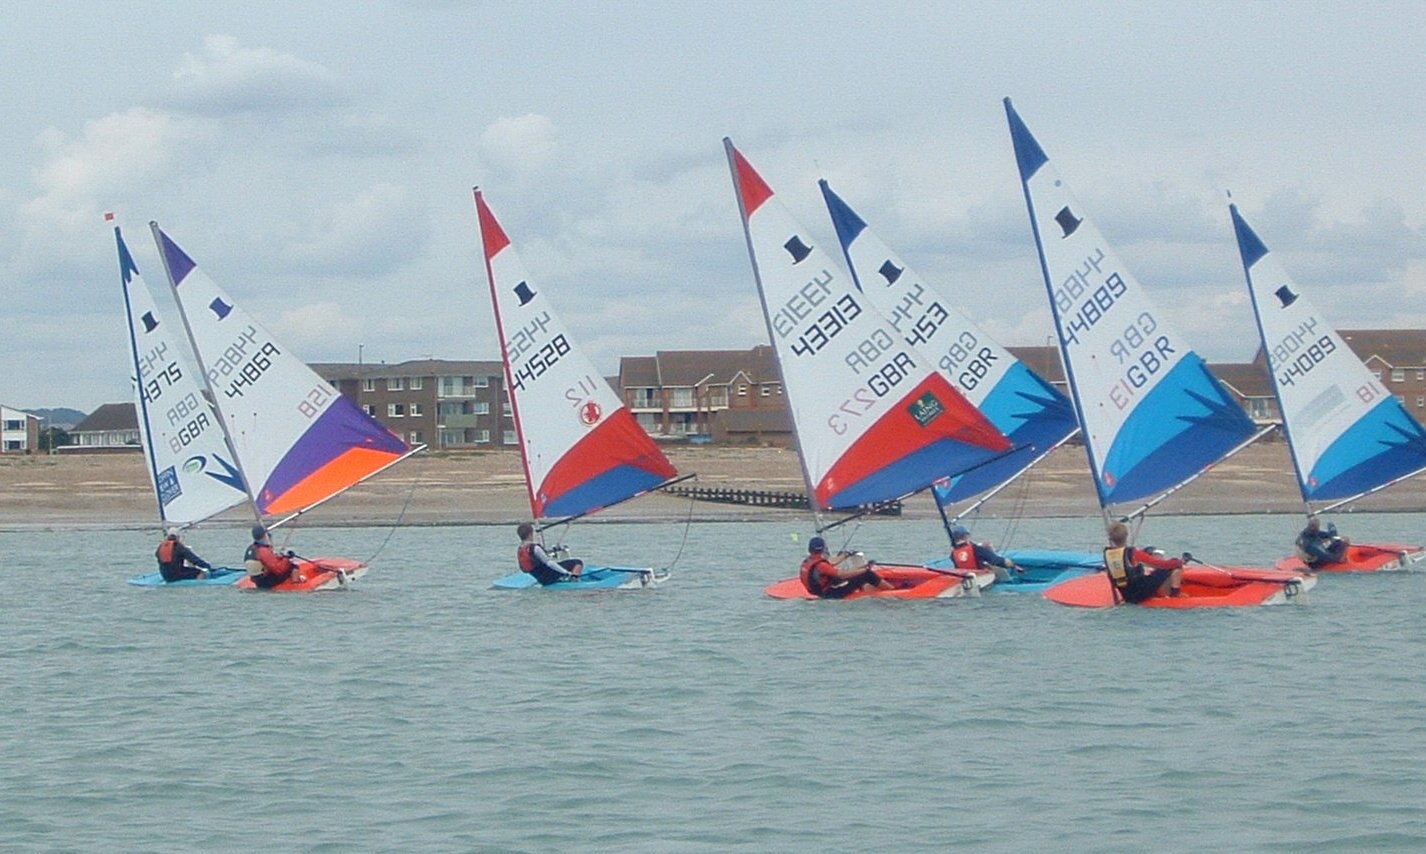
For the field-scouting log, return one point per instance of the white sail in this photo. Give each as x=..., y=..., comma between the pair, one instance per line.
x=297, y=440
x=581, y=446
x=1347, y=433
x=875, y=421
x=188, y=461
x=1153, y=415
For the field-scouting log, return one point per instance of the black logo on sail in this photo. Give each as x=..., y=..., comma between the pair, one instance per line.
x=926, y=409
x=523, y=291
x=149, y=323
x=890, y=271
x=1286, y=296
x=1068, y=221
x=797, y=249
x=220, y=308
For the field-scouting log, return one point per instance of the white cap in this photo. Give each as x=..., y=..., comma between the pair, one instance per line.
x=172, y=533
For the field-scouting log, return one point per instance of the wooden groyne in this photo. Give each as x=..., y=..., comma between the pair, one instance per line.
x=763, y=498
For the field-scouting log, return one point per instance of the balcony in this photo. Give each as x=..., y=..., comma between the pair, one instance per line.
x=459, y=422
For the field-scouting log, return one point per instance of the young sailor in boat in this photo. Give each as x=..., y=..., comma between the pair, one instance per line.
x=176, y=561
x=968, y=555
x=534, y=560
x=265, y=566
x=824, y=578
x=1138, y=574
x=1317, y=547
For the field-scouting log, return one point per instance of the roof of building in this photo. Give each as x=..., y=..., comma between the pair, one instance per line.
x=411, y=368
x=1246, y=378
x=1398, y=348
x=690, y=368
x=1042, y=359
x=109, y=417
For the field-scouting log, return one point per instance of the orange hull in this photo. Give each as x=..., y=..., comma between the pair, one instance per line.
x=1377, y=557
x=323, y=573
x=912, y=582
x=1203, y=587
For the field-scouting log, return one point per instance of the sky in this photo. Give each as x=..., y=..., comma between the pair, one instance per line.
x=316, y=159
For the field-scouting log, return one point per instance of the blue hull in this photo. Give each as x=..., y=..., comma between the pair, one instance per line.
x=592, y=578
x=1043, y=568
x=218, y=576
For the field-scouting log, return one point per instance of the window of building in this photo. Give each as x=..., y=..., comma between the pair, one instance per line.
x=394, y=384
x=1398, y=375
x=1400, y=398
x=14, y=424
x=482, y=437
x=370, y=409
x=416, y=383
x=395, y=410
x=510, y=438
x=368, y=385
x=482, y=382
x=1376, y=374
x=417, y=410
x=1420, y=374
x=1420, y=401
x=13, y=445
x=414, y=437
x=742, y=390
x=682, y=398
x=480, y=407
x=505, y=410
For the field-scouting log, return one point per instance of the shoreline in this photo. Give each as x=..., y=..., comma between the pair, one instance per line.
x=450, y=489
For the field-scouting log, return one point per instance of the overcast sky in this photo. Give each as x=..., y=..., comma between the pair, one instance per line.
x=316, y=160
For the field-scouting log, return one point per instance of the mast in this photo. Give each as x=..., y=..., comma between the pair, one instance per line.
x=127, y=269
x=483, y=213
x=203, y=371
x=731, y=153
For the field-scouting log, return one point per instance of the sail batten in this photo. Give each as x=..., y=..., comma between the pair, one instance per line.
x=1152, y=413
x=1348, y=435
x=874, y=420
x=580, y=445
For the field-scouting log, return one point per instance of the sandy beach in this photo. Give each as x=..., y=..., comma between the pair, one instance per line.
x=112, y=491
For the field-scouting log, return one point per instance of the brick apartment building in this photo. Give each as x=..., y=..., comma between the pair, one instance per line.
x=722, y=395
x=445, y=404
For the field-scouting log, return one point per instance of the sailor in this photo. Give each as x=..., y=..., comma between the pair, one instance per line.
x=534, y=560
x=968, y=555
x=265, y=566
x=1317, y=547
x=176, y=561
x=1127, y=572
x=824, y=578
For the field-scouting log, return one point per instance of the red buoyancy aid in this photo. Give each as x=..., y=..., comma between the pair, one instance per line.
x=525, y=554
x=165, y=551
x=815, y=583
x=963, y=556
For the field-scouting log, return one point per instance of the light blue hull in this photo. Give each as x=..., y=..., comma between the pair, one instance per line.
x=1043, y=568
x=592, y=578
x=218, y=576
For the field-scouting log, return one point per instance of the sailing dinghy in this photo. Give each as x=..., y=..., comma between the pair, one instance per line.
x=187, y=459
x=874, y=420
x=581, y=448
x=1153, y=417
x=296, y=442
x=1029, y=411
x=1349, y=437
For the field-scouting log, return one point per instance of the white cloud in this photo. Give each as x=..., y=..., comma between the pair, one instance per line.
x=228, y=78
x=374, y=233
x=519, y=145
x=318, y=328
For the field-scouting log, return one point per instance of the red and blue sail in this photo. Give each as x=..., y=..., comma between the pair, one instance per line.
x=581, y=447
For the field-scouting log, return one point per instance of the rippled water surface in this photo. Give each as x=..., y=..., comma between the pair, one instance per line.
x=423, y=711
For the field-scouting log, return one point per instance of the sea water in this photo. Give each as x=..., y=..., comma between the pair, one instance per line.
x=421, y=710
